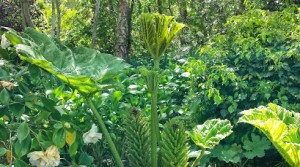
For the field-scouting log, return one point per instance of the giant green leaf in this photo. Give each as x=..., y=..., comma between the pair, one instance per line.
x=209, y=134
x=82, y=68
x=280, y=126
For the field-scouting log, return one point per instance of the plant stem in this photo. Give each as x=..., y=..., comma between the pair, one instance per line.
x=106, y=134
x=154, y=127
x=156, y=64
x=198, y=158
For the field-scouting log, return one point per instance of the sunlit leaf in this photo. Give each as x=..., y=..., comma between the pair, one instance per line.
x=70, y=137
x=82, y=68
x=280, y=126
x=209, y=134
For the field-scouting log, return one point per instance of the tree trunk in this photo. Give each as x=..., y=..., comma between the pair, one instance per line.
x=139, y=7
x=129, y=23
x=182, y=10
x=26, y=14
x=53, y=34
x=170, y=8
x=122, y=30
x=96, y=18
x=110, y=6
x=159, y=7
x=57, y=4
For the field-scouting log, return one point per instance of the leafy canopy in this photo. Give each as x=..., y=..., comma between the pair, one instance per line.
x=82, y=68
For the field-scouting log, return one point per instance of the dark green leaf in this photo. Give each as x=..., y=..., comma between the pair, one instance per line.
x=17, y=109
x=43, y=115
x=4, y=97
x=59, y=137
x=21, y=148
x=20, y=163
x=85, y=159
x=2, y=151
x=22, y=131
x=256, y=147
x=4, y=111
x=4, y=133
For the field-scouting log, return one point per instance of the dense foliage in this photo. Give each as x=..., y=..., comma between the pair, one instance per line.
x=197, y=89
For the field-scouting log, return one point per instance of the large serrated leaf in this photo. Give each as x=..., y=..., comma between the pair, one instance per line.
x=280, y=126
x=209, y=134
x=82, y=68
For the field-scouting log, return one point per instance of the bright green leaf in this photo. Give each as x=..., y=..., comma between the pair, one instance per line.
x=82, y=68
x=281, y=128
x=73, y=149
x=209, y=134
x=117, y=95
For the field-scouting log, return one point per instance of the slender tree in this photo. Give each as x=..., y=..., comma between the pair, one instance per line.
x=57, y=5
x=26, y=14
x=170, y=8
x=56, y=19
x=53, y=18
x=159, y=7
x=96, y=18
x=122, y=30
x=110, y=5
x=182, y=7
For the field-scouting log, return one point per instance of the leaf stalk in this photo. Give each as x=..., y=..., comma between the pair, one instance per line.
x=107, y=137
